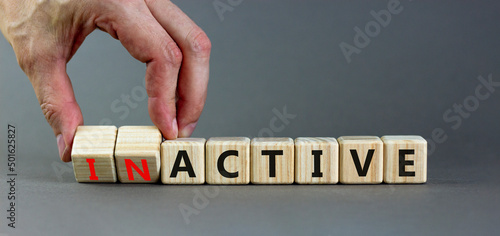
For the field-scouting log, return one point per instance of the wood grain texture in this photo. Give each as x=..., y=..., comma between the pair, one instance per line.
x=140, y=145
x=328, y=152
x=405, y=159
x=237, y=168
x=97, y=143
x=260, y=163
x=195, y=150
x=361, y=145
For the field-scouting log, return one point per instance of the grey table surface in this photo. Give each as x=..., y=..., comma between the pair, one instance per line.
x=269, y=56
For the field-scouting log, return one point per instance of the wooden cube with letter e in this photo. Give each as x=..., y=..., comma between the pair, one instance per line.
x=405, y=159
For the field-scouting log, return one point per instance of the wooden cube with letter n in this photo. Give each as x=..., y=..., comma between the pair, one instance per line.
x=183, y=161
x=405, y=159
x=93, y=154
x=361, y=160
x=228, y=160
x=272, y=161
x=137, y=154
x=316, y=161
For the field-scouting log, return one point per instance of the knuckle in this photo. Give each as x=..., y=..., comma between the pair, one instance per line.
x=173, y=54
x=199, y=43
x=50, y=111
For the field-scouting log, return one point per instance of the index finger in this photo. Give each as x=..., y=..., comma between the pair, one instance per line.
x=194, y=72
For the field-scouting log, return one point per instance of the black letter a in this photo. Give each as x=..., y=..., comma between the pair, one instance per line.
x=182, y=155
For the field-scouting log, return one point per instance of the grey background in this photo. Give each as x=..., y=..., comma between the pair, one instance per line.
x=271, y=54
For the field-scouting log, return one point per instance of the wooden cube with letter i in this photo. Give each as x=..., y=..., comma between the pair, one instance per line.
x=316, y=160
x=137, y=154
x=93, y=154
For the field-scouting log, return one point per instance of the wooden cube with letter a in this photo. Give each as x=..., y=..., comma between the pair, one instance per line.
x=272, y=161
x=93, y=154
x=137, y=154
x=183, y=161
x=228, y=160
x=405, y=159
x=316, y=161
x=361, y=159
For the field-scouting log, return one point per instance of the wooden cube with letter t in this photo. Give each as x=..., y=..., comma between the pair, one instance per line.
x=183, y=161
x=137, y=154
x=361, y=160
x=228, y=160
x=272, y=161
x=93, y=154
x=405, y=159
x=316, y=161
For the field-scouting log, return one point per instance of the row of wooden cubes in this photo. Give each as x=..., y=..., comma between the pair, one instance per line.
x=136, y=154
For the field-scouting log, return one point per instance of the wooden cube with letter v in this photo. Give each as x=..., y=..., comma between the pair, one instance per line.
x=183, y=161
x=137, y=154
x=405, y=159
x=361, y=160
x=92, y=154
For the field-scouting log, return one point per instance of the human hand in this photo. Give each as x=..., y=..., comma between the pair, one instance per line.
x=45, y=34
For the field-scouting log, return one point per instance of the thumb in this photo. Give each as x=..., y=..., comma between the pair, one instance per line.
x=55, y=93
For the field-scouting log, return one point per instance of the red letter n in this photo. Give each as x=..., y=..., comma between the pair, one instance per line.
x=145, y=175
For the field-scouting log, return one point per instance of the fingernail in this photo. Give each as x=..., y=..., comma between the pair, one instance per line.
x=188, y=130
x=175, y=128
x=61, y=145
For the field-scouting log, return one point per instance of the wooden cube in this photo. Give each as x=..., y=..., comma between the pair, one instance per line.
x=316, y=161
x=405, y=159
x=361, y=159
x=228, y=160
x=93, y=154
x=183, y=161
x=137, y=154
x=272, y=160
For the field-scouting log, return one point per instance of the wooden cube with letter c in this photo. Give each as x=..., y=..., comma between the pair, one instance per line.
x=405, y=159
x=93, y=154
x=137, y=154
x=183, y=161
x=228, y=160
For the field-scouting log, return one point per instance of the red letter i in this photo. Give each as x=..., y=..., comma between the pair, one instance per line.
x=92, y=169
